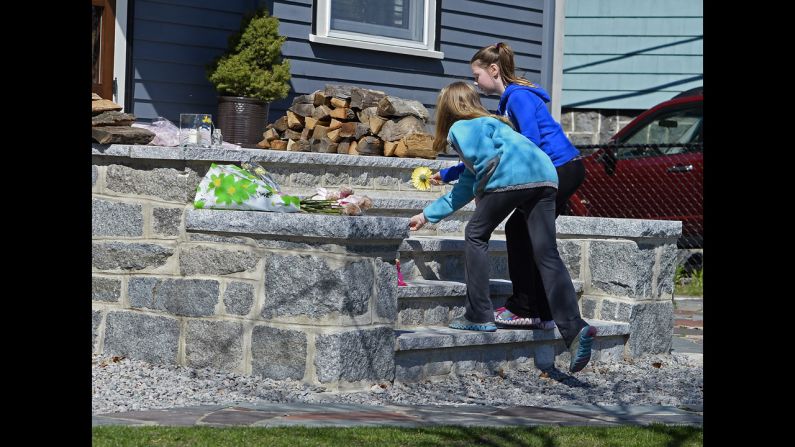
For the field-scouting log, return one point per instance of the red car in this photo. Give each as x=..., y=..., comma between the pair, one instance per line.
x=651, y=169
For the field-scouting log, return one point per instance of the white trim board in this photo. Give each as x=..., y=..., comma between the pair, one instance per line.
x=375, y=46
x=120, y=52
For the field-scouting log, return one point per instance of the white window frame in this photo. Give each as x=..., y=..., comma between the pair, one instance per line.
x=328, y=36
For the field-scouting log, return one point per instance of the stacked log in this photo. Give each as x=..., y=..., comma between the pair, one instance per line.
x=351, y=120
x=109, y=125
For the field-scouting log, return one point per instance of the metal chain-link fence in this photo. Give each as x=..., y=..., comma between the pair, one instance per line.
x=644, y=181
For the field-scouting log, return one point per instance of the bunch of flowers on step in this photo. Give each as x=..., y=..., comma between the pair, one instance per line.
x=249, y=187
x=349, y=204
x=231, y=187
x=327, y=203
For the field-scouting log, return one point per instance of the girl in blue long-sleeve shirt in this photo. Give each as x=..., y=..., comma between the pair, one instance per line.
x=524, y=103
x=507, y=173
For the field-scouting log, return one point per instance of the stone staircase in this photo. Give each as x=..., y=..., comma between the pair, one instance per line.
x=426, y=348
x=348, y=324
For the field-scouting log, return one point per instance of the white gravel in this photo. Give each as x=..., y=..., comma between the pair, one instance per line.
x=124, y=385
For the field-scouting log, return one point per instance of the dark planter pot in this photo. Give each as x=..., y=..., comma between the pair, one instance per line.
x=242, y=120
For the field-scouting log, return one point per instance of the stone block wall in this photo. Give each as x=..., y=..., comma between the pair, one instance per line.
x=297, y=296
x=591, y=126
x=626, y=267
x=623, y=270
x=306, y=297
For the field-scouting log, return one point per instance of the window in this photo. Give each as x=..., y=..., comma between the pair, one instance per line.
x=680, y=127
x=396, y=26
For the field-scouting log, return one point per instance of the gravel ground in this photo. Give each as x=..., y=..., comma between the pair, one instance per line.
x=672, y=380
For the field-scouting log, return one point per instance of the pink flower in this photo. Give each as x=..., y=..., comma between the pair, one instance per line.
x=345, y=191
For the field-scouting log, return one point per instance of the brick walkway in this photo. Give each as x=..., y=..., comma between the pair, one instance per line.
x=688, y=325
x=350, y=415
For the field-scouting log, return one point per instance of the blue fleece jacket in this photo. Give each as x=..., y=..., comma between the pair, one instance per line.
x=524, y=106
x=496, y=158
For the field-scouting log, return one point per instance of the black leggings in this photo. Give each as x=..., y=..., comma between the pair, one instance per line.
x=529, y=298
x=536, y=206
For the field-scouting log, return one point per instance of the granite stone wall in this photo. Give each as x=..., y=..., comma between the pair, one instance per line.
x=312, y=297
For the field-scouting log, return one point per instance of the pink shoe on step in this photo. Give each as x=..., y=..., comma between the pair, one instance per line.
x=506, y=317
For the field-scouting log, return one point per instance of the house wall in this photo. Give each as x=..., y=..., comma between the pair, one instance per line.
x=173, y=41
x=629, y=54
x=622, y=57
x=466, y=26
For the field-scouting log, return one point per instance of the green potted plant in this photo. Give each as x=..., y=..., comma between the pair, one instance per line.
x=248, y=76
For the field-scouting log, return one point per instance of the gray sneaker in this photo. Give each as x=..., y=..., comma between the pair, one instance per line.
x=463, y=323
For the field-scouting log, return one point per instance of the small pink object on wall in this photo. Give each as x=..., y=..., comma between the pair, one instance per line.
x=401, y=283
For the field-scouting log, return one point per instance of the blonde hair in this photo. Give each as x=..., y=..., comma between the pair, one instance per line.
x=457, y=101
x=501, y=54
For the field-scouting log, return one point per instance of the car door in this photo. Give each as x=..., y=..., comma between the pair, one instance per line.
x=658, y=171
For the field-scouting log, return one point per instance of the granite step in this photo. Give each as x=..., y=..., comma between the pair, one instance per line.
x=390, y=198
x=402, y=203
x=423, y=353
x=442, y=257
x=438, y=257
x=426, y=302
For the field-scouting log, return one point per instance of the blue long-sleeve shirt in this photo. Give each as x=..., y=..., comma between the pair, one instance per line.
x=525, y=107
x=496, y=158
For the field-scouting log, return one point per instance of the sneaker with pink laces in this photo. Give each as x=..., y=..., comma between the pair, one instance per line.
x=508, y=318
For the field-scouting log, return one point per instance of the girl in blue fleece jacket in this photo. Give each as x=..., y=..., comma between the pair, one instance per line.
x=505, y=171
x=524, y=104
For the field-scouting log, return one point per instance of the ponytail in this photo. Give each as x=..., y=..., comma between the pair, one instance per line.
x=502, y=55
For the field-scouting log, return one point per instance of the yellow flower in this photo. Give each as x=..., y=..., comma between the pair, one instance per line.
x=421, y=178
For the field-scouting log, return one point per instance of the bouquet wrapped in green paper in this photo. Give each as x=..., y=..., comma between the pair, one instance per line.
x=250, y=187
x=230, y=187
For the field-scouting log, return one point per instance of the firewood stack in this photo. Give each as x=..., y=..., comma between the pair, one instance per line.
x=352, y=120
x=110, y=126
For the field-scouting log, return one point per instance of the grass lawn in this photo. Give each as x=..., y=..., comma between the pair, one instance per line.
x=692, y=286
x=543, y=436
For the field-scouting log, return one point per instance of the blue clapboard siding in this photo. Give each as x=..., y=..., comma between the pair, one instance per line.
x=174, y=40
x=654, y=45
x=630, y=54
x=172, y=43
x=466, y=26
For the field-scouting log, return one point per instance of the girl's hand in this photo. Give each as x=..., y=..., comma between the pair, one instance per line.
x=417, y=221
x=436, y=178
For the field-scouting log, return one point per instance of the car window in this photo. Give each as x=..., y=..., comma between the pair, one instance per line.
x=677, y=127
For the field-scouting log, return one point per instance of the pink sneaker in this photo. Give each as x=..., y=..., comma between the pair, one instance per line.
x=508, y=318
